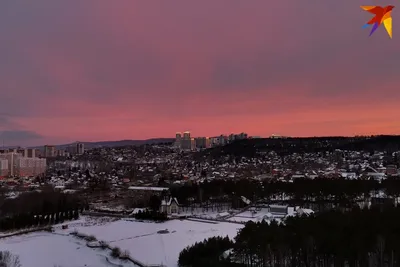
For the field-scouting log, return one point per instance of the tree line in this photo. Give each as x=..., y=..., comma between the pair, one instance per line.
x=39, y=208
x=151, y=215
x=47, y=201
x=299, y=191
x=25, y=220
x=286, y=146
x=359, y=238
x=206, y=253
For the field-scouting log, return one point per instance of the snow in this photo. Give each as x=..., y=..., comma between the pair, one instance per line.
x=146, y=245
x=139, y=238
x=48, y=250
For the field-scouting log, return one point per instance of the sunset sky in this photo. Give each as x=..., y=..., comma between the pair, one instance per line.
x=93, y=70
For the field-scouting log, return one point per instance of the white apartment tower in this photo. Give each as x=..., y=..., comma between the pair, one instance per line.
x=3, y=167
x=18, y=165
x=178, y=139
x=80, y=148
x=186, y=135
x=49, y=151
x=186, y=142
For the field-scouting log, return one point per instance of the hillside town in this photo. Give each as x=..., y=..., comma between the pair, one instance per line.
x=246, y=180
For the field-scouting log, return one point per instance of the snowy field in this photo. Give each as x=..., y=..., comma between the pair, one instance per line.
x=146, y=245
x=43, y=249
x=141, y=239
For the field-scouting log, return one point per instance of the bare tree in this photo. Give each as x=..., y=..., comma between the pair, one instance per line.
x=9, y=260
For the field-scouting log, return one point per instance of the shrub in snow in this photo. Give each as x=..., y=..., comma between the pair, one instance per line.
x=103, y=244
x=91, y=238
x=125, y=254
x=116, y=252
x=9, y=260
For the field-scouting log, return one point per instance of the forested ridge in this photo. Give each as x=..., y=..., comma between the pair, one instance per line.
x=359, y=238
x=251, y=147
x=300, y=191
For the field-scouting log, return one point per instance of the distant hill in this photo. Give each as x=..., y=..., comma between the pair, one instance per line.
x=119, y=143
x=250, y=147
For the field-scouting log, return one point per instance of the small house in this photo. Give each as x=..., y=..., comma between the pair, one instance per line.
x=170, y=206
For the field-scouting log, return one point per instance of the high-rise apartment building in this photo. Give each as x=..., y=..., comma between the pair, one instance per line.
x=186, y=142
x=186, y=135
x=17, y=165
x=3, y=168
x=202, y=142
x=178, y=140
x=27, y=152
x=77, y=148
x=12, y=159
x=80, y=148
x=32, y=153
x=49, y=151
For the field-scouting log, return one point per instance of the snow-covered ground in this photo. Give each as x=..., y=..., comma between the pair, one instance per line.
x=146, y=245
x=43, y=249
x=139, y=238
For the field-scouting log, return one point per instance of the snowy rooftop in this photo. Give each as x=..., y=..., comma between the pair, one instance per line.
x=145, y=188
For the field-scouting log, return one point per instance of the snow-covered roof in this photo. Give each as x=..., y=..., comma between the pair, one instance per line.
x=169, y=202
x=145, y=188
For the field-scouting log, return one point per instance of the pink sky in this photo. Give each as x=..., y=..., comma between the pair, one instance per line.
x=108, y=70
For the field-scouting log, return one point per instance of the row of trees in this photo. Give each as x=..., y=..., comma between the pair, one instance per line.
x=151, y=216
x=45, y=202
x=300, y=191
x=39, y=209
x=25, y=220
x=359, y=238
x=206, y=253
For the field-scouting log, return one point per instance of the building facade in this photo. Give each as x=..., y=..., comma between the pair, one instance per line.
x=49, y=151
x=186, y=142
x=80, y=148
x=3, y=168
x=178, y=140
x=18, y=165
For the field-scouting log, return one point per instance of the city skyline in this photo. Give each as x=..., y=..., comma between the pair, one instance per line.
x=141, y=70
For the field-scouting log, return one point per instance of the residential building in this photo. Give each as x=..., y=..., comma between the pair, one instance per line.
x=202, y=142
x=178, y=140
x=12, y=159
x=170, y=206
x=77, y=148
x=3, y=168
x=61, y=153
x=49, y=151
x=32, y=153
x=72, y=150
x=186, y=135
x=17, y=165
x=186, y=142
x=80, y=148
